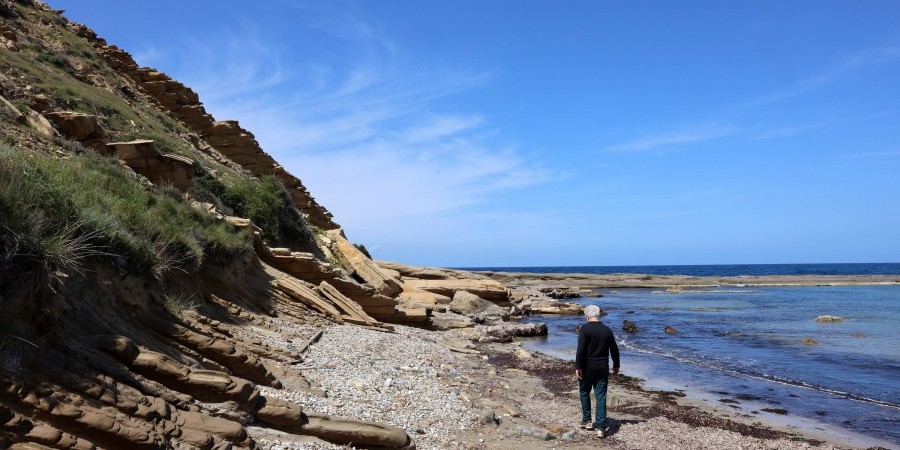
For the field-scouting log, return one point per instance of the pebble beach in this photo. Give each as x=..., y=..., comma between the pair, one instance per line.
x=450, y=394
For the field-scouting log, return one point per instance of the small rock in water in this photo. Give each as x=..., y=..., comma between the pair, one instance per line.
x=671, y=330
x=629, y=326
x=810, y=341
x=829, y=319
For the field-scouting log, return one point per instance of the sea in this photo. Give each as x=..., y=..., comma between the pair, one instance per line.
x=743, y=348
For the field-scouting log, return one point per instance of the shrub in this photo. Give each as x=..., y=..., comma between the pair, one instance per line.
x=362, y=248
x=57, y=60
x=266, y=203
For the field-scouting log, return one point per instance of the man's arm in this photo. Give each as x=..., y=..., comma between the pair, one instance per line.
x=579, y=355
x=614, y=352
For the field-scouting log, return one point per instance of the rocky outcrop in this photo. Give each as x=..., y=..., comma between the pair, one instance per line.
x=487, y=289
x=506, y=331
x=227, y=138
x=355, y=432
x=143, y=157
x=538, y=306
x=361, y=266
x=473, y=305
x=80, y=127
x=428, y=273
x=560, y=294
x=304, y=266
x=329, y=301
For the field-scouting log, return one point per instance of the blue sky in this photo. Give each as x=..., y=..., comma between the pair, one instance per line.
x=531, y=133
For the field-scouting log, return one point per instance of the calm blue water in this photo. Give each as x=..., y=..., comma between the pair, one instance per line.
x=724, y=270
x=749, y=341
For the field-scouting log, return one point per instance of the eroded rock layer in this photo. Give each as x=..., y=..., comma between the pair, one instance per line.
x=226, y=137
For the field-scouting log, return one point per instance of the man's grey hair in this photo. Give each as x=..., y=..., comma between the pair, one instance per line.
x=592, y=311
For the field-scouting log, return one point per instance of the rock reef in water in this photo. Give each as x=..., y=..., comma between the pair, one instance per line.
x=829, y=319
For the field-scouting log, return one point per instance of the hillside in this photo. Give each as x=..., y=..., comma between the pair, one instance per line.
x=142, y=239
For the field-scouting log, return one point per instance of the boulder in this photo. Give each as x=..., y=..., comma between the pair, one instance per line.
x=143, y=157
x=78, y=126
x=40, y=124
x=471, y=304
x=671, y=330
x=629, y=326
x=449, y=321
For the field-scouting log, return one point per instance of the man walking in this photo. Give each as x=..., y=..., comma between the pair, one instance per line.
x=596, y=344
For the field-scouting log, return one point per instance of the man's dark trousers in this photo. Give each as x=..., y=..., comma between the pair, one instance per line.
x=596, y=380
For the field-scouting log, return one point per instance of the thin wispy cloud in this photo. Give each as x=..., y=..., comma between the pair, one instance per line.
x=886, y=154
x=787, y=131
x=672, y=138
x=841, y=68
x=363, y=128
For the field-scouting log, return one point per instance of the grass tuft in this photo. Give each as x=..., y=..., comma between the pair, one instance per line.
x=56, y=212
x=178, y=304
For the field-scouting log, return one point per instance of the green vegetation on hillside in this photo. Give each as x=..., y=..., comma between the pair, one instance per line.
x=55, y=212
x=51, y=74
x=265, y=202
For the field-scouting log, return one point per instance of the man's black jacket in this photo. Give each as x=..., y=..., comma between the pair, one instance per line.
x=595, y=345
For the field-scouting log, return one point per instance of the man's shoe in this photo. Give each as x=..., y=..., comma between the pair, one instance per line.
x=586, y=425
x=601, y=433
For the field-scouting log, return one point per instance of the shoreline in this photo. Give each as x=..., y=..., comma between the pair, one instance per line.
x=795, y=427
x=450, y=388
x=449, y=393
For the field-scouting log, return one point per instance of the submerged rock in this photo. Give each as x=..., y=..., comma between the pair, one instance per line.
x=629, y=326
x=810, y=341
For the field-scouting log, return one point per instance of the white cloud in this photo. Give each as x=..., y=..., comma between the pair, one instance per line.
x=363, y=130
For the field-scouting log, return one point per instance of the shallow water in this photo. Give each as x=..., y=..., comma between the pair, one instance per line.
x=747, y=345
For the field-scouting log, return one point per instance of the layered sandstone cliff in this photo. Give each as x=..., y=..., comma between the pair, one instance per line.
x=138, y=340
